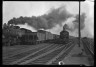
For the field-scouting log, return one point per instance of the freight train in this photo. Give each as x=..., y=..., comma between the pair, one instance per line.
x=25, y=37
x=40, y=36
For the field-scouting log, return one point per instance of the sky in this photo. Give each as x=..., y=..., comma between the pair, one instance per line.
x=36, y=8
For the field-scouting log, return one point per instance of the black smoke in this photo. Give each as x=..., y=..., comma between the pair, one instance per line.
x=46, y=21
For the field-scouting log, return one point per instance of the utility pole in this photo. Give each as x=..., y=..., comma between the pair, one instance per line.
x=79, y=26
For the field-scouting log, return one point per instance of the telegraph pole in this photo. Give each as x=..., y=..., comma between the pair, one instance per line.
x=79, y=26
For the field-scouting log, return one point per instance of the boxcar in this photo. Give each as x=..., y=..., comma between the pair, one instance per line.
x=41, y=36
x=29, y=38
x=49, y=37
x=44, y=36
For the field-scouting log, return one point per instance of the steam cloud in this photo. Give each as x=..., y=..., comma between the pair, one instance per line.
x=50, y=20
x=76, y=23
x=46, y=21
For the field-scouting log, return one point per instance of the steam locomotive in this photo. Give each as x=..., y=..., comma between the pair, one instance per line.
x=63, y=38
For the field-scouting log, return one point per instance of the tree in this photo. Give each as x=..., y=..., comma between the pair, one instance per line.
x=10, y=33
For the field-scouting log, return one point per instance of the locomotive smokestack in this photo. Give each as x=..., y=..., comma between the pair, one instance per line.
x=63, y=28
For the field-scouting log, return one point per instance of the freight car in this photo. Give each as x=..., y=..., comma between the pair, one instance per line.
x=41, y=34
x=28, y=37
x=55, y=38
x=36, y=37
x=44, y=36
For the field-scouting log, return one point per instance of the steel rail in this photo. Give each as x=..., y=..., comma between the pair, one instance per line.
x=63, y=51
x=15, y=62
x=23, y=50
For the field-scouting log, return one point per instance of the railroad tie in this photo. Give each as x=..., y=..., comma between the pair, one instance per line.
x=40, y=56
x=63, y=51
x=15, y=62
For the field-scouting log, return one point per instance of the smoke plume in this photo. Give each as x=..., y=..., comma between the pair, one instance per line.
x=46, y=21
x=75, y=23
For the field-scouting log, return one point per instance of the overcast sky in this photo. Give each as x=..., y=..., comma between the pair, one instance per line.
x=29, y=8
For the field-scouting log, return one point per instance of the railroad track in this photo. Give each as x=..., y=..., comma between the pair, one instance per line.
x=43, y=58
x=87, y=48
x=89, y=52
x=20, y=47
x=92, y=48
x=7, y=50
x=38, y=53
x=13, y=53
x=34, y=55
x=22, y=54
x=61, y=55
x=52, y=57
x=43, y=55
x=91, y=45
x=27, y=53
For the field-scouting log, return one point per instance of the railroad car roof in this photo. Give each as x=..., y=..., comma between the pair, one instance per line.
x=56, y=34
x=26, y=30
x=41, y=31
